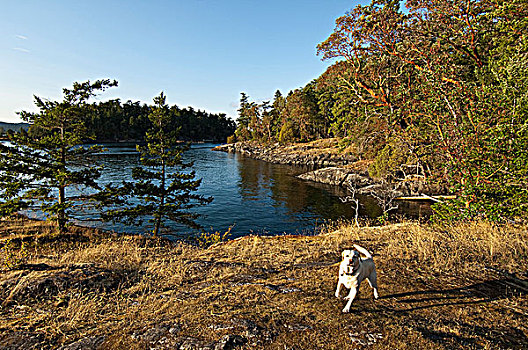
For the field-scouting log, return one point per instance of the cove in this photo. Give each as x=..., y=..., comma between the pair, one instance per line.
x=252, y=196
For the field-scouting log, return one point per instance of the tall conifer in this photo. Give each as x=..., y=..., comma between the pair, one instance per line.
x=161, y=191
x=38, y=168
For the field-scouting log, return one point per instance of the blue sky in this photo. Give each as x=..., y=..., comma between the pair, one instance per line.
x=202, y=53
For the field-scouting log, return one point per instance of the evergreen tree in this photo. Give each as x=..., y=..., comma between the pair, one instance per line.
x=267, y=121
x=160, y=191
x=243, y=131
x=278, y=107
x=37, y=168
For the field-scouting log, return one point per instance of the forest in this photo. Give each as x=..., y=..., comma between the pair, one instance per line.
x=113, y=121
x=436, y=86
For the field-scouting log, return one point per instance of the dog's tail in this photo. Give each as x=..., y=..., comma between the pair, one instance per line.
x=362, y=251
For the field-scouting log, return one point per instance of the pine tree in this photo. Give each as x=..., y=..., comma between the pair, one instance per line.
x=39, y=167
x=161, y=191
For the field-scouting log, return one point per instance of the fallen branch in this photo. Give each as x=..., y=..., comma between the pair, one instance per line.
x=425, y=197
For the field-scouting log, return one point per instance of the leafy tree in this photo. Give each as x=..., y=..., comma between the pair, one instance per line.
x=267, y=121
x=441, y=76
x=277, y=111
x=135, y=119
x=112, y=121
x=287, y=133
x=105, y=121
x=440, y=87
x=161, y=191
x=249, y=120
x=39, y=167
x=303, y=112
x=495, y=177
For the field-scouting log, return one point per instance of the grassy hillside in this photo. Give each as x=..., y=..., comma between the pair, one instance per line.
x=441, y=288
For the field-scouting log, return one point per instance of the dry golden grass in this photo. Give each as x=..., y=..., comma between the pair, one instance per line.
x=20, y=227
x=461, y=246
x=324, y=146
x=441, y=288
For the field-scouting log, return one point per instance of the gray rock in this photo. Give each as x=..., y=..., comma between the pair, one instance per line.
x=298, y=327
x=333, y=176
x=48, y=283
x=331, y=170
x=90, y=343
x=195, y=344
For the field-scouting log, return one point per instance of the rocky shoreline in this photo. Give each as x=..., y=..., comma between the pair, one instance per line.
x=275, y=153
x=334, y=169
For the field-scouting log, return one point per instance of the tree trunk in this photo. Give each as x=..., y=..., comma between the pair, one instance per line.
x=61, y=215
x=162, y=201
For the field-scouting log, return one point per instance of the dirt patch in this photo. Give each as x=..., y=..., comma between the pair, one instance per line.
x=44, y=281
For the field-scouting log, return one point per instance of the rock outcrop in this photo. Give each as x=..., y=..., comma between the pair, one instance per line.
x=338, y=176
x=275, y=153
x=365, y=185
x=44, y=281
x=332, y=169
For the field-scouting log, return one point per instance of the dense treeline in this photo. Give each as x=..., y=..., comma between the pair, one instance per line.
x=441, y=88
x=14, y=127
x=115, y=121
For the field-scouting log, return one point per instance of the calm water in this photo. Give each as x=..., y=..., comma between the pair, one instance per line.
x=250, y=195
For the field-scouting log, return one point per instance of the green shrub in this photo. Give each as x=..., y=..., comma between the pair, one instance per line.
x=207, y=239
x=287, y=133
x=389, y=159
x=12, y=257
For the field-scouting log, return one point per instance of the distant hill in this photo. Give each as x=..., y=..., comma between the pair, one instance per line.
x=13, y=126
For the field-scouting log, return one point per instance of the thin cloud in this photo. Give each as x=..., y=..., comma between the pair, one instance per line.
x=21, y=49
x=22, y=37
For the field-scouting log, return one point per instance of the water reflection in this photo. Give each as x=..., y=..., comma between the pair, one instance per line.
x=275, y=188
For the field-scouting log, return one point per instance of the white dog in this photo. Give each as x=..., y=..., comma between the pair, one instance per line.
x=353, y=270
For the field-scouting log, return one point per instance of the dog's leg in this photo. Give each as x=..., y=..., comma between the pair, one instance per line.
x=373, y=281
x=338, y=290
x=350, y=298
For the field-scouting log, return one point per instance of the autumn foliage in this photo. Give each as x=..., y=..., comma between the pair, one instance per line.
x=445, y=81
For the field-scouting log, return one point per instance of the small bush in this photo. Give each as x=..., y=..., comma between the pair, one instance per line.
x=231, y=139
x=12, y=257
x=287, y=133
x=389, y=159
x=207, y=239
